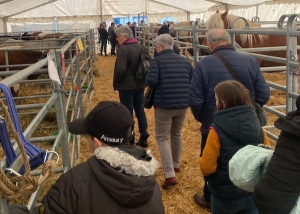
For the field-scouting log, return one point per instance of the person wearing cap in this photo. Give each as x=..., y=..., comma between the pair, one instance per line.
x=131, y=91
x=118, y=178
x=112, y=38
x=171, y=75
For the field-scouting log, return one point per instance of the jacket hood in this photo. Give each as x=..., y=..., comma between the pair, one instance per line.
x=130, y=41
x=128, y=180
x=239, y=123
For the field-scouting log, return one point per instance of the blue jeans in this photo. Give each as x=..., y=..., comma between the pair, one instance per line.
x=133, y=99
x=243, y=205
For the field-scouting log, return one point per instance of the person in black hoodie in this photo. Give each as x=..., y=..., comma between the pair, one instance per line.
x=118, y=178
x=278, y=189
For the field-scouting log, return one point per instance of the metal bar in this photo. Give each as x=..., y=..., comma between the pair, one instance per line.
x=39, y=117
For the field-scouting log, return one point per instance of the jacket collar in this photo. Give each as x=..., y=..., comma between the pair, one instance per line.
x=126, y=162
x=228, y=46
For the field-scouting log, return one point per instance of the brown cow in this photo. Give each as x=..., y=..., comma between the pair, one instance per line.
x=16, y=57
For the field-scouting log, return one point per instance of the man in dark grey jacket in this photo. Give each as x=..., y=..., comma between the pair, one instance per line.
x=131, y=92
x=209, y=71
x=118, y=178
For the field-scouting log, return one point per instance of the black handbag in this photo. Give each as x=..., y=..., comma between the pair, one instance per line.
x=149, y=95
x=261, y=113
x=148, y=98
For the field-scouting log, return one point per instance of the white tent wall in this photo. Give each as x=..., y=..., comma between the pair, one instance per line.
x=67, y=24
x=121, y=7
x=272, y=11
x=2, y=26
x=157, y=17
x=269, y=11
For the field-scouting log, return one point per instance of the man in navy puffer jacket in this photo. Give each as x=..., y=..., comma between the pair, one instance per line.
x=209, y=71
x=170, y=74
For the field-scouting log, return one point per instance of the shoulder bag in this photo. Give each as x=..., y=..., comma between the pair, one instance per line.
x=261, y=113
x=148, y=98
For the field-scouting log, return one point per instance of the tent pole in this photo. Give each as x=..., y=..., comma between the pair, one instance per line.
x=101, y=10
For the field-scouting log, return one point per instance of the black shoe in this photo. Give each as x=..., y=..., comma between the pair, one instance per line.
x=200, y=201
x=143, y=141
x=132, y=140
x=106, y=55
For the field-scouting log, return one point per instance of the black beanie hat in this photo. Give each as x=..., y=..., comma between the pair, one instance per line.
x=109, y=122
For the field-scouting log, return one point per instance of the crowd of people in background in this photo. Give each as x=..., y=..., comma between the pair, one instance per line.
x=106, y=36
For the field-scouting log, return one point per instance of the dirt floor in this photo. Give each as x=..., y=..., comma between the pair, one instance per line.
x=178, y=199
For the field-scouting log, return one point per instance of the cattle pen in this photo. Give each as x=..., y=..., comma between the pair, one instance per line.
x=63, y=95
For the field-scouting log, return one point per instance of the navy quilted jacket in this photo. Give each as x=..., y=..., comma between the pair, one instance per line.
x=170, y=74
x=210, y=71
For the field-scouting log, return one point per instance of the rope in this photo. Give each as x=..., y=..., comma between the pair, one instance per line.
x=25, y=184
x=15, y=135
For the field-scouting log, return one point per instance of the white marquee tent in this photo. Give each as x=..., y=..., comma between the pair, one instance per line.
x=25, y=15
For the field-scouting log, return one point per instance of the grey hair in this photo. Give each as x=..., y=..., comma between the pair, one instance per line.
x=124, y=31
x=215, y=36
x=166, y=40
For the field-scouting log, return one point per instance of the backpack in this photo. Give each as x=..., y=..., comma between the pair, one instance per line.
x=143, y=68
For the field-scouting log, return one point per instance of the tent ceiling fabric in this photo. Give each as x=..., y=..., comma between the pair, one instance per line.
x=10, y=8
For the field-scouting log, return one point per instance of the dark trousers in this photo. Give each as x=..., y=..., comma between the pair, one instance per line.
x=103, y=45
x=133, y=99
x=113, y=46
x=206, y=191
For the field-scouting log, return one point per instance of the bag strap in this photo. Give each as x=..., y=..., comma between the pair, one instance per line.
x=229, y=68
x=233, y=73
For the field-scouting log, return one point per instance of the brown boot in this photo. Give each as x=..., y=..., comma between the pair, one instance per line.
x=169, y=182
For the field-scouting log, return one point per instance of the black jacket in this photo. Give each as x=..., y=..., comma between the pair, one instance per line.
x=236, y=127
x=171, y=75
x=279, y=188
x=103, y=34
x=128, y=59
x=112, y=181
